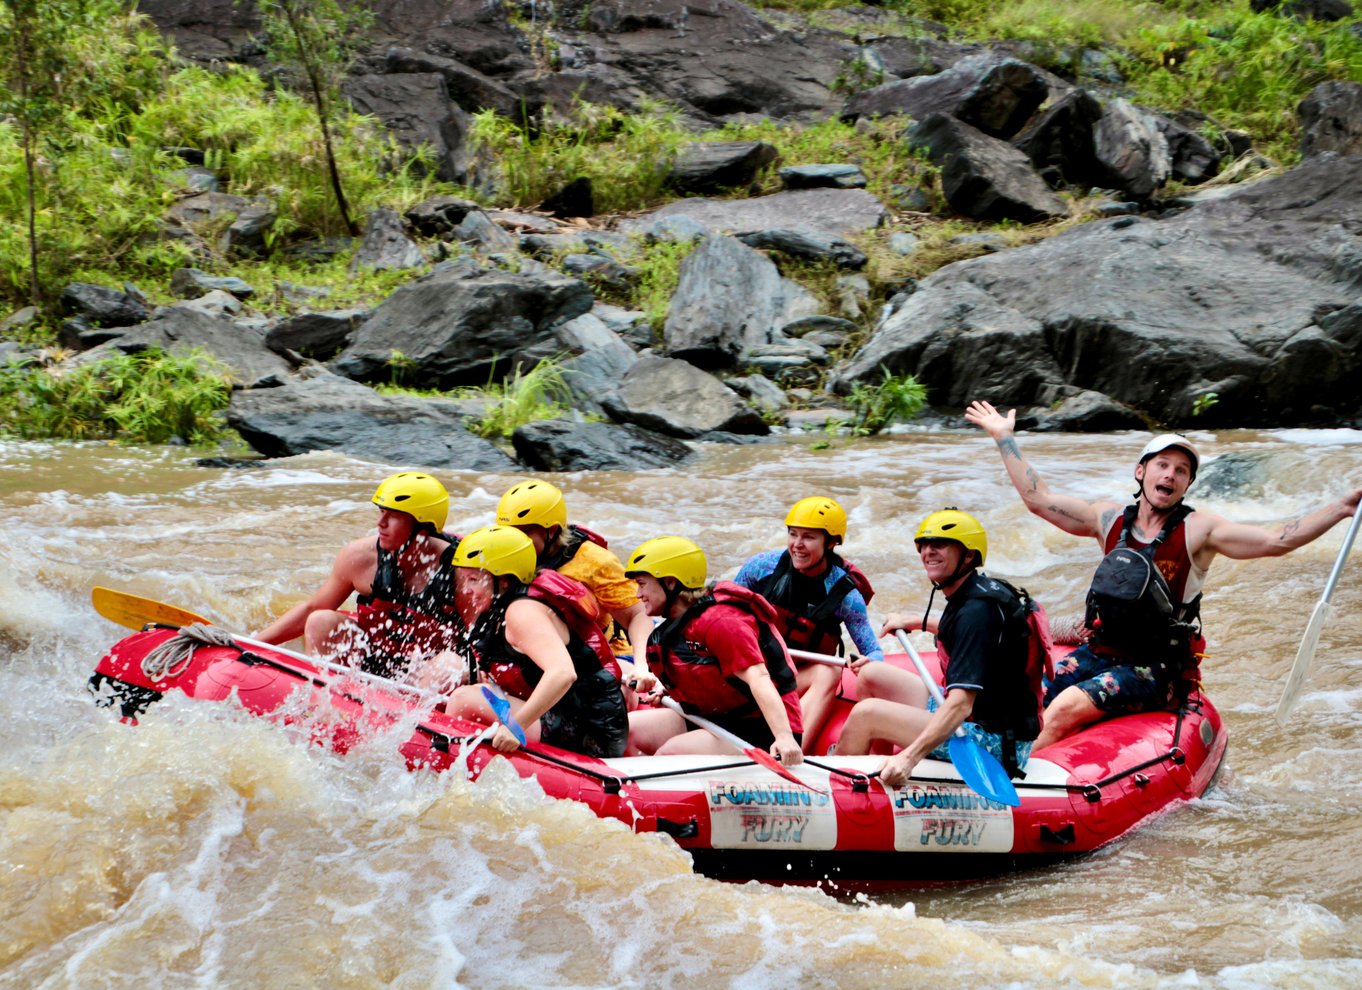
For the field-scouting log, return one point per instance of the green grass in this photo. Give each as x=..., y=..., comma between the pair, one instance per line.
x=149, y=397
x=107, y=178
x=521, y=397
x=626, y=156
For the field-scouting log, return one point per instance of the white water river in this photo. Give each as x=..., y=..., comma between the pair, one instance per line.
x=205, y=848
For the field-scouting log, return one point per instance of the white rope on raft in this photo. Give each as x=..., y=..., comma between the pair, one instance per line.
x=169, y=659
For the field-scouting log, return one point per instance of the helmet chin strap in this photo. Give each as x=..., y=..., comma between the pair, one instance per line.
x=960, y=569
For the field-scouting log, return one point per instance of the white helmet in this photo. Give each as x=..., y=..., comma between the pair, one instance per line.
x=1166, y=441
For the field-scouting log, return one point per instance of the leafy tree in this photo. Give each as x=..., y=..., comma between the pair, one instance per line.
x=35, y=62
x=314, y=37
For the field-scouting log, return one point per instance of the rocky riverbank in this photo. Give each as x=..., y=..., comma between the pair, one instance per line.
x=1236, y=302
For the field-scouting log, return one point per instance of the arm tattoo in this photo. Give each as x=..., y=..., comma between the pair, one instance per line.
x=1064, y=512
x=1007, y=446
x=1033, y=479
x=1289, y=530
x=1107, y=518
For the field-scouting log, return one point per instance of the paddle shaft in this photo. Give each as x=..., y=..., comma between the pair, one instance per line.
x=753, y=753
x=1342, y=555
x=1305, y=653
x=928, y=681
x=718, y=731
x=822, y=658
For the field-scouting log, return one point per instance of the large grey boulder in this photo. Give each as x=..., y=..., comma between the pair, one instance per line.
x=320, y=336
x=1059, y=141
x=454, y=328
x=807, y=246
x=993, y=93
x=981, y=176
x=470, y=89
x=601, y=359
x=385, y=245
x=416, y=108
x=831, y=212
x=181, y=331
x=102, y=306
x=333, y=413
x=679, y=399
x=1331, y=119
x=1253, y=297
x=1131, y=150
x=564, y=445
x=708, y=166
x=729, y=300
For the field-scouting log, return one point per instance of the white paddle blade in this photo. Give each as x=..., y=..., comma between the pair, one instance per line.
x=1305, y=656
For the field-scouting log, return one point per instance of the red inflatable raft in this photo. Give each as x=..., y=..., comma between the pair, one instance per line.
x=738, y=819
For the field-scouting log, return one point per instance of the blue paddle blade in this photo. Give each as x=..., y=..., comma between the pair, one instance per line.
x=502, y=709
x=982, y=771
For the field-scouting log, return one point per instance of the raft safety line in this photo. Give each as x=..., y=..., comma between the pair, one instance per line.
x=611, y=782
x=1093, y=792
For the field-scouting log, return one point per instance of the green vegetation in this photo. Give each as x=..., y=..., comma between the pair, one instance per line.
x=625, y=155
x=106, y=172
x=896, y=397
x=1204, y=402
x=150, y=397
x=313, y=37
x=540, y=393
x=659, y=273
x=505, y=403
x=99, y=120
x=1244, y=70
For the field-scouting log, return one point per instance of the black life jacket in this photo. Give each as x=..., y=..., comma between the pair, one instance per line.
x=591, y=717
x=1131, y=608
x=807, y=610
x=411, y=614
x=667, y=649
x=390, y=586
x=1025, y=662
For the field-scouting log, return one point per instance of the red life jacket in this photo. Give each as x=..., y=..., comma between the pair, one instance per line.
x=570, y=600
x=812, y=624
x=692, y=672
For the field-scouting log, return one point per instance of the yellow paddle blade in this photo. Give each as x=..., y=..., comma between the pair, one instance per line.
x=135, y=612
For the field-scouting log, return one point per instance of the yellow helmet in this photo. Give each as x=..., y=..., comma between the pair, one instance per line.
x=669, y=557
x=417, y=494
x=498, y=550
x=818, y=512
x=952, y=524
x=532, y=503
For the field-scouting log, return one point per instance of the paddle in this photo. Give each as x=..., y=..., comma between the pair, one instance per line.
x=1305, y=655
x=747, y=749
x=977, y=766
x=134, y=612
x=501, y=708
x=822, y=658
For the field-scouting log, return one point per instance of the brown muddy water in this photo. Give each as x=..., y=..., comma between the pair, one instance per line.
x=205, y=848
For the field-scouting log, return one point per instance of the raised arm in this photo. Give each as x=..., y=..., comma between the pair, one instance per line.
x=1240, y=541
x=1073, y=515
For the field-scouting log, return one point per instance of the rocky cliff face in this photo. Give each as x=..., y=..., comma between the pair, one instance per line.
x=1252, y=293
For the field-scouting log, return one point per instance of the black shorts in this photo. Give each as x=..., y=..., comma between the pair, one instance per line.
x=750, y=729
x=590, y=719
